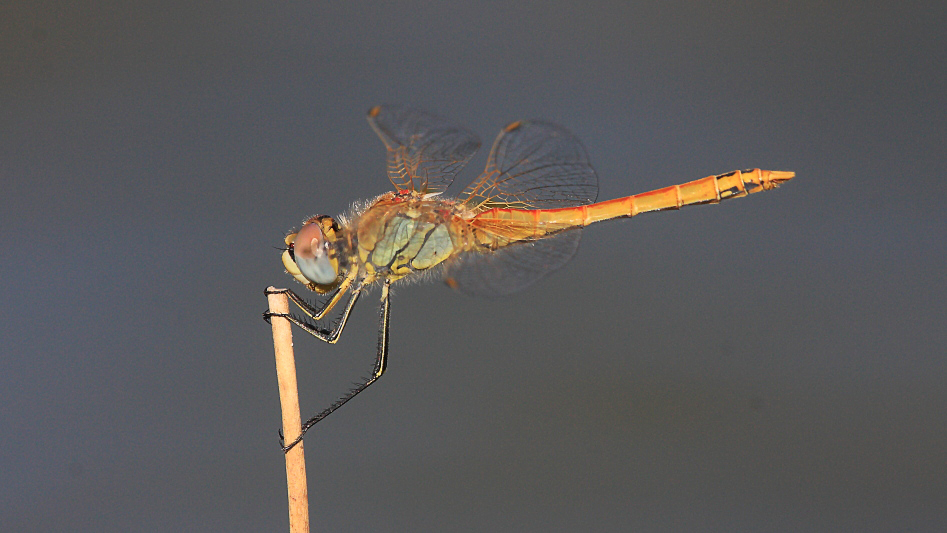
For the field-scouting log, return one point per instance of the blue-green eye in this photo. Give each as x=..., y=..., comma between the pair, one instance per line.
x=310, y=251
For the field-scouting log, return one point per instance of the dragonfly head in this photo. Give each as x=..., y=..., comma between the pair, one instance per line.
x=311, y=256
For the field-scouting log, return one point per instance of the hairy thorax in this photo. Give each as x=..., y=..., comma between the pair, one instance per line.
x=403, y=233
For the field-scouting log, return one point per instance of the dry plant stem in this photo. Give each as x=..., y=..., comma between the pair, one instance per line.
x=289, y=401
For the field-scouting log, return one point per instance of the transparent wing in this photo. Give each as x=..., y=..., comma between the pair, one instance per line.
x=515, y=267
x=534, y=165
x=425, y=152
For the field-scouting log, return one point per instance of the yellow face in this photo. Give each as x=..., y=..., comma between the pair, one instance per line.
x=310, y=256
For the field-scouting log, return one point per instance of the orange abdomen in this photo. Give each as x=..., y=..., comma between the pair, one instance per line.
x=512, y=225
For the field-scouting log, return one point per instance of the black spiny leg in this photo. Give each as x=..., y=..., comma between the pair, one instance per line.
x=381, y=361
x=305, y=307
x=330, y=336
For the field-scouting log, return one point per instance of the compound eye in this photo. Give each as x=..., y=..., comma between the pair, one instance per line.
x=311, y=253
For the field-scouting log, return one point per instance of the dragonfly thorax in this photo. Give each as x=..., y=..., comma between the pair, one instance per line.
x=407, y=232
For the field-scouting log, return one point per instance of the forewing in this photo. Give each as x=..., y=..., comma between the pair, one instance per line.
x=425, y=152
x=534, y=165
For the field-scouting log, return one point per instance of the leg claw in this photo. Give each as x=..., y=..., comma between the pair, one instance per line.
x=273, y=290
x=268, y=314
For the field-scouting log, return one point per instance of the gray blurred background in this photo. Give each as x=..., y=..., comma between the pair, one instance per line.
x=775, y=363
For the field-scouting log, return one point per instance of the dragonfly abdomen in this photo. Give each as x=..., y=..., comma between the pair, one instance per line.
x=709, y=190
x=505, y=225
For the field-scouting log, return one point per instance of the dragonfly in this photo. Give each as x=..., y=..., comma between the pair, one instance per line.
x=520, y=220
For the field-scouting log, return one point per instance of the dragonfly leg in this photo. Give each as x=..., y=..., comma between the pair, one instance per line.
x=330, y=336
x=306, y=307
x=381, y=362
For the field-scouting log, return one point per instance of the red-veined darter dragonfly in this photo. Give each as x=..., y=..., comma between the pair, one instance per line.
x=518, y=221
